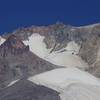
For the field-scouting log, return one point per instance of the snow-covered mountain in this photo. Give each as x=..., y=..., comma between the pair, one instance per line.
x=63, y=58
x=57, y=43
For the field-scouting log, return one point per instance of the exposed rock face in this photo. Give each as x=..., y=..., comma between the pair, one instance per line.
x=25, y=90
x=14, y=46
x=17, y=61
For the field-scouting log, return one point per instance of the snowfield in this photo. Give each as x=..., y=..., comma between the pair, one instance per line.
x=67, y=58
x=81, y=92
x=59, y=79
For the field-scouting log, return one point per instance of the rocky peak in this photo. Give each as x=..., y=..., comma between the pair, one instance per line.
x=14, y=42
x=13, y=45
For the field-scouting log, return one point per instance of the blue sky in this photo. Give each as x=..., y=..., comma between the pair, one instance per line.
x=19, y=13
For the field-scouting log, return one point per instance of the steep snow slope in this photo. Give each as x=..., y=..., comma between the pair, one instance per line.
x=81, y=92
x=65, y=57
x=61, y=78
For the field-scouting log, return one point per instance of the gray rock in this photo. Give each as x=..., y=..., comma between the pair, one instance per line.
x=25, y=90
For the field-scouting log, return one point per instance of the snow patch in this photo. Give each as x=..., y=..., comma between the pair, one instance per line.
x=37, y=45
x=13, y=82
x=59, y=79
x=73, y=47
x=2, y=40
x=68, y=58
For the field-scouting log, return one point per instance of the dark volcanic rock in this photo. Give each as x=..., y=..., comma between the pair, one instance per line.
x=25, y=90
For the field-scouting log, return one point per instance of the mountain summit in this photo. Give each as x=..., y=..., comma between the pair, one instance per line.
x=14, y=42
x=13, y=45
